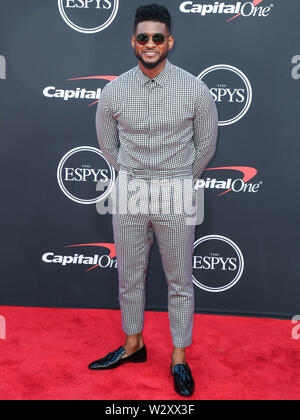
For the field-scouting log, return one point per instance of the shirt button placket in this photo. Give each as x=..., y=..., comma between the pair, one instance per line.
x=151, y=116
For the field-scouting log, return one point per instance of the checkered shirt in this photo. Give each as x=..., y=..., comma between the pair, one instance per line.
x=168, y=122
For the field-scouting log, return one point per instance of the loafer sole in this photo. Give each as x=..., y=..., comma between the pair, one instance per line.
x=115, y=365
x=130, y=359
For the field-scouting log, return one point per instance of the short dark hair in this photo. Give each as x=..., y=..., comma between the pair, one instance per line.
x=154, y=12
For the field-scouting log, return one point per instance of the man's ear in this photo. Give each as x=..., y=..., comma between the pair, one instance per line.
x=133, y=41
x=171, y=41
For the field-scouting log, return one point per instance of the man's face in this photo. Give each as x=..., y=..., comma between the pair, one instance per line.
x=151, y=54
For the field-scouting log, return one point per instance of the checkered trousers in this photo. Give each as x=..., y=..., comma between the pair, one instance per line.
x=133, y=237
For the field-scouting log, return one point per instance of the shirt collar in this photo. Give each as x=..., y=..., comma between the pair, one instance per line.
x=160, y=78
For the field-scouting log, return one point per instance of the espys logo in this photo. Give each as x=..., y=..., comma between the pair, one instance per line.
x=231, y=91
x=296, y=68
x=231, y=185
x=84, y=171
x=77, y=93
x=96, y=260
x=2, y=67
x=88, y=16
x=218, y=263
x=238, y=9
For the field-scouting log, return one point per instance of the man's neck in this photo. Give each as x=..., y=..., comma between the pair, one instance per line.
x=151, y=73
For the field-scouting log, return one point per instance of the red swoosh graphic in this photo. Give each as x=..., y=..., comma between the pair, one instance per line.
x=109, y=78
x=93, y=103
x=111, y=247
x=255, y=3
x=248, y=172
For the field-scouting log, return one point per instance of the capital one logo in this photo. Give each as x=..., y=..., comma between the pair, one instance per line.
x=77, y=93
x=246, y=9
x=237, y=185
x=82, y=173
x=231, y=90
x=296, y=68
x=2, y=67
x=218, y=263
x=107, y=260
x=88, y=16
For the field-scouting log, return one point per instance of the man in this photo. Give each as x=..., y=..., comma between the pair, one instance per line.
x=156, y=120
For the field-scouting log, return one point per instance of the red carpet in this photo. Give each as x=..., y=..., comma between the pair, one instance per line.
x=47, y=351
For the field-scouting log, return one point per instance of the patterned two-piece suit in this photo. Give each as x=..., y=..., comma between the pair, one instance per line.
x=161, y=128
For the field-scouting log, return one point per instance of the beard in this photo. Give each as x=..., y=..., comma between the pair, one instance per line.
x=151, y=66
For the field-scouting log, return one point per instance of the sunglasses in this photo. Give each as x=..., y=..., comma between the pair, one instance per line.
x=158, y=39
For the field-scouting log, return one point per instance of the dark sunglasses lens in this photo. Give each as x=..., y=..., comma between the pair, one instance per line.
x=142, y=39
x=159, y=38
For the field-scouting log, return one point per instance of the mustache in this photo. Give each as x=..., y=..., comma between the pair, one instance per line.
x=151, y=66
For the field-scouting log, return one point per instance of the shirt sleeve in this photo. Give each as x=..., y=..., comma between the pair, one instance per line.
x=205, y=131
x=107, y=132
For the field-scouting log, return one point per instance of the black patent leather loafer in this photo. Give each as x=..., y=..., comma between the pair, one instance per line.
x=114, y=359
x=183, y=380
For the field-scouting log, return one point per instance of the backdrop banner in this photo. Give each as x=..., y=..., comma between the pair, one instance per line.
x=57, y=238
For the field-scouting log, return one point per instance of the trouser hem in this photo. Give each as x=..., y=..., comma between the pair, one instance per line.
x=132, y=332
x=182, y=345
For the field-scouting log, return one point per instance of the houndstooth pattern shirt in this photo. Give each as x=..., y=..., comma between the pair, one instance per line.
x=169, y=122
